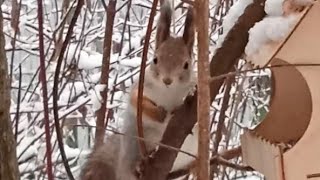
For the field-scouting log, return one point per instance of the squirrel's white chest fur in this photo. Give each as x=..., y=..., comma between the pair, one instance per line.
x=170, y=98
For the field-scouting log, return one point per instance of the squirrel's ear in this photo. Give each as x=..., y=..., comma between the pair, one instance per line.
x=188, y=34
x=163, y=29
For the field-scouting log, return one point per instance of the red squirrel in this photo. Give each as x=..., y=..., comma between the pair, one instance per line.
x=168, y=80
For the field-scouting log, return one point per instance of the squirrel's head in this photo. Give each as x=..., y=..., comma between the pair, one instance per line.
x=172, y=63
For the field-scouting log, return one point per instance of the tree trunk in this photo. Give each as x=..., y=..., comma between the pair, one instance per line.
x=8, y=159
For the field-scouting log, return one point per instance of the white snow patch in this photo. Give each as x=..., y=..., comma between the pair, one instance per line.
x=24, y=167
x=72, y=90
x=82, y=58
x=26, y=148
x=135, y=43
x=94, y=78
x=279, y=7
x=234, y=13
x=232, y=17
x=134, y=62
x=274, y=7
x=93, y=61
x=70, y=153
x=96, y=97
x=116, y=37
x=270, y=29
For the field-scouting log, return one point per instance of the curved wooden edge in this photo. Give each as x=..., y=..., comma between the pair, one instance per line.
x=291, y=106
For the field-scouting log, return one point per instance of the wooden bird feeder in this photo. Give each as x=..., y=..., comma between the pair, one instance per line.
x=286, y=144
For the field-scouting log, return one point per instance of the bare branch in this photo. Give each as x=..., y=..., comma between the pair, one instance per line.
x=43, y=80
x=218, y=160
x=17, y=116
x=143, y=148
x=234, y=73
x=56, y=84
x=224, y=156
x=101, y=114
x=222, y=116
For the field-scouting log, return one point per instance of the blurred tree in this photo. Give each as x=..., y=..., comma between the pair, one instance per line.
x=8, y=159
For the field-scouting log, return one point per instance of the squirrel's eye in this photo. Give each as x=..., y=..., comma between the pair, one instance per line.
x=155, y=60
x=186, y=65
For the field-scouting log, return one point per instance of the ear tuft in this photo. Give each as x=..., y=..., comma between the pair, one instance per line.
x=163, y=29
x=188, y=34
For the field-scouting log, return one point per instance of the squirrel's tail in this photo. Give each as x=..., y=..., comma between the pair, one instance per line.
x=101, y=163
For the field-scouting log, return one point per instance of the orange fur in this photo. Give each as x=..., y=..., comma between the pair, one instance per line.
x=149, y=108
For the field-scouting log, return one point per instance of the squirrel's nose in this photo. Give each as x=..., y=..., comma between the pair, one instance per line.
x=167, y=81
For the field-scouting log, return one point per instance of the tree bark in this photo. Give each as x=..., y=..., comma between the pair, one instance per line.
x=8, y=159
x=185, y=117
x=202, y=14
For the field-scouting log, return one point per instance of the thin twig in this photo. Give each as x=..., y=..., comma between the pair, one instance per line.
x=17, y=117
x=190, y=2
x=43, y=79
x=222, y=117
x=104, y=4
x=234, y=73
x=309, y=176
x=124, y=27
x=142, y=145
x=221, y=161
x=58, y=40
x=141, y=139
x=224, y=156
x=55, y=88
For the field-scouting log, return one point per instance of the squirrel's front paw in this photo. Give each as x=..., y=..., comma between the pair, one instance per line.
x=162, y=114
x=142, y=163
x=139, y=169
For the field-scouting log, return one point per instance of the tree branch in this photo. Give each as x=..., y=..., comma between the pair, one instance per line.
x=142, y=145
x=225, y=156
x=101, y=113
x=222, y=117
x=202, y=15
x=235, y=73
x=56, y=84
x=43, y=80
x=218, y=160
x=17, y=116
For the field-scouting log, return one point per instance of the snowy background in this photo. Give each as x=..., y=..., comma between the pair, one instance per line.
x=79, y=89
